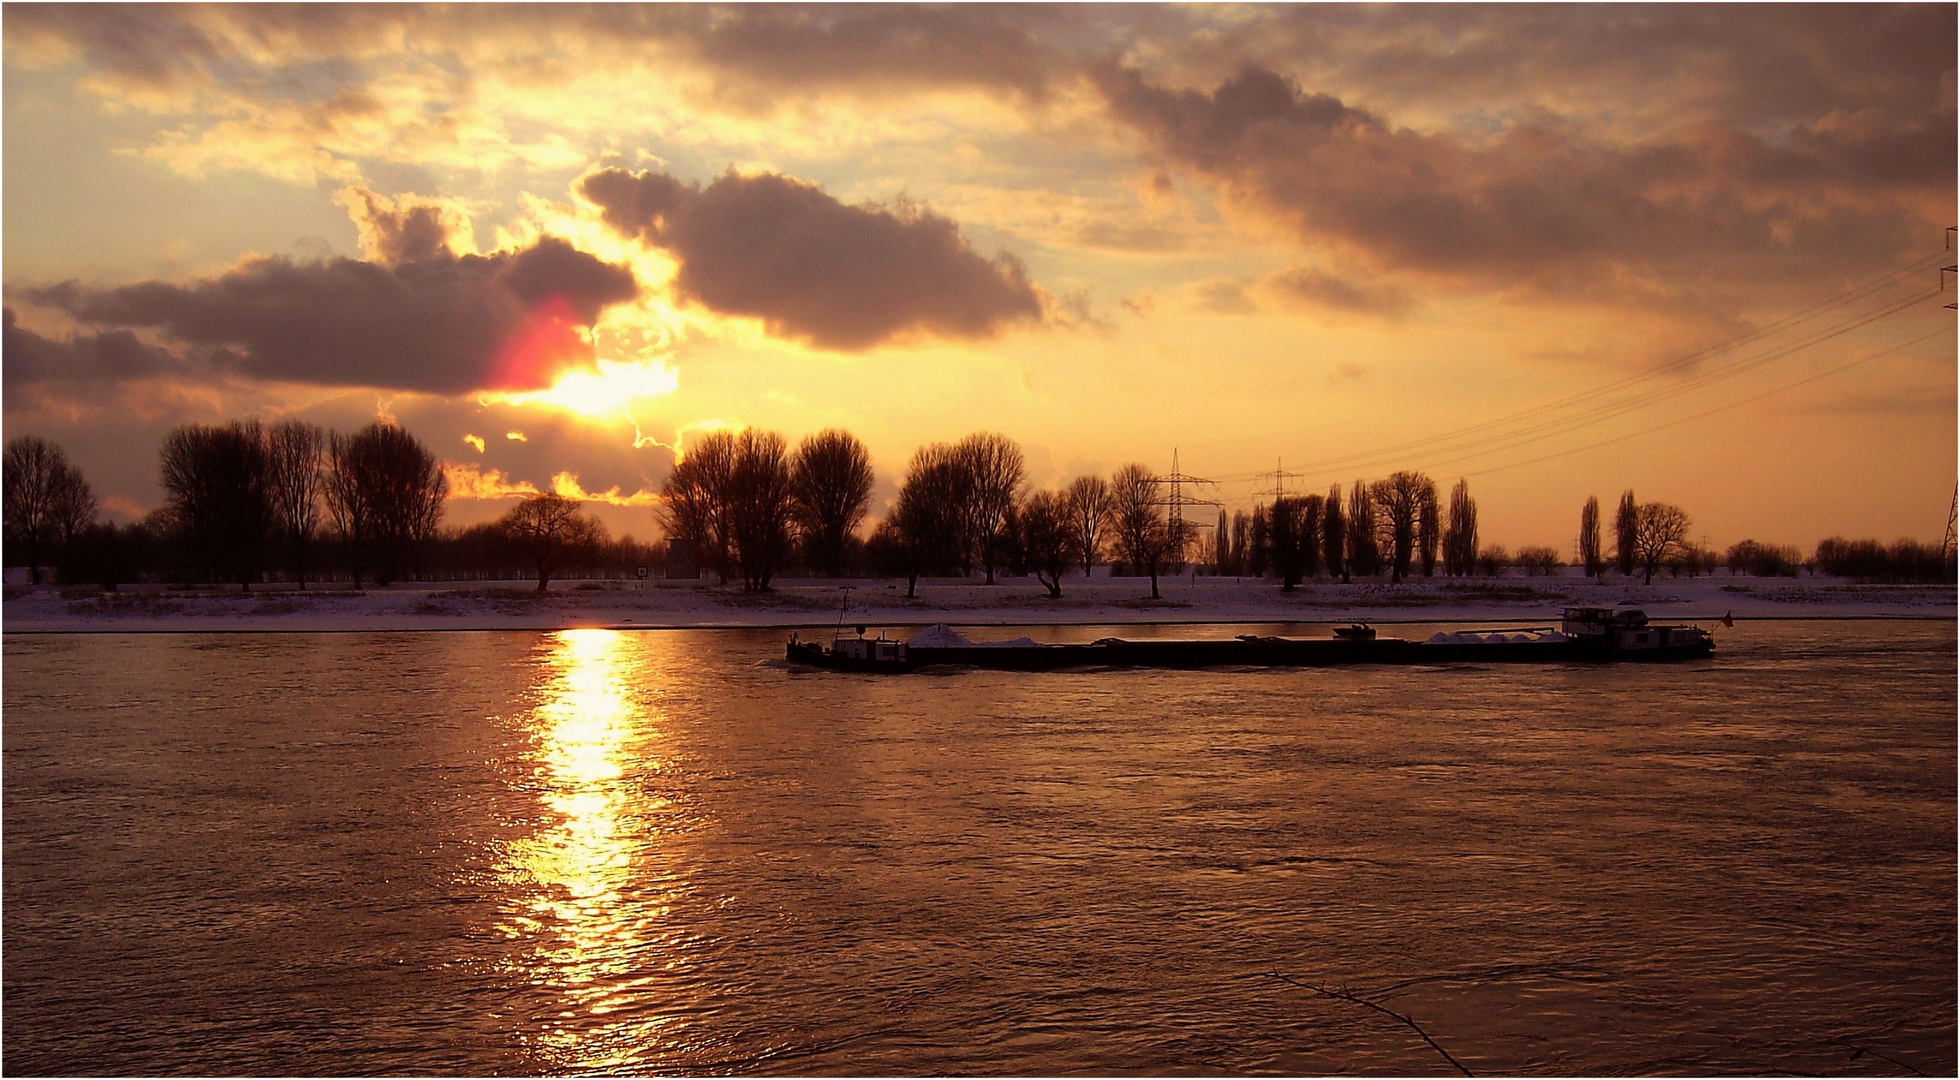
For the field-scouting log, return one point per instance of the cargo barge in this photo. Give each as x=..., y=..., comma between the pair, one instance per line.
x=1584, y=635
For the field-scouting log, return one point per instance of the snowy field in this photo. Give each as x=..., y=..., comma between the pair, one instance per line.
x=963, y=602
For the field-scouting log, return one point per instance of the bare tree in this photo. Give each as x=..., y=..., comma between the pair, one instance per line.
x=1363, y=550
x=1048, y=538
x=1460, y=535
x=1538, y=561
x=33, y=472
x=927, y=519
x=831, y=478
x=1136, y=516
x=547, y=528
x=996, y=466
x=1429, y=527
x=1088, y=507
x=385, y=489
x=1296, y=538
x=1659, y=531
x=1400, y=499
x=1241, y=539
x=1222, y=544
x=1589, y=551
x=1626, y=529
x=1259, y=542
x=293, y=452
x=760, y=507
x=695, y=496
x=73, y=513
x=214, y=478
x=1334, y=536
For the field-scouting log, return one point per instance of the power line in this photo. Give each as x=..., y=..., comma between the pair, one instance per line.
x=1503, y=430
x=1279, y=475
x=1720, y=408
x=1565, y=425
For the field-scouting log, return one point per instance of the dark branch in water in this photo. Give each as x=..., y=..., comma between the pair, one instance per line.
x=1384, y=1010
x=1861, y=1051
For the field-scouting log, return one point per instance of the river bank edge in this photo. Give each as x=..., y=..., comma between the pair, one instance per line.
x=472, y=606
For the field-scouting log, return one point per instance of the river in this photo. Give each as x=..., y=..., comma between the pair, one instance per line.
x=597, y=851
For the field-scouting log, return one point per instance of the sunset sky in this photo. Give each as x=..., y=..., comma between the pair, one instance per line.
x=1560, y=251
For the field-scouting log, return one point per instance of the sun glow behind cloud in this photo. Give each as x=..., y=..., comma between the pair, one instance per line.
x=612, y=386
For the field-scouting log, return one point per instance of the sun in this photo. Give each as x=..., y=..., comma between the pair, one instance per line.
x=607, y=388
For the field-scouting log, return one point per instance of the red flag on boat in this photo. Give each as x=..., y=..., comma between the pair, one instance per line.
x=1727, y=620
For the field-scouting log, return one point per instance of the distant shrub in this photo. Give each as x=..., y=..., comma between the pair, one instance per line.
x=1539, y=561
x=1763, y=560
x=1492, y=560
x=1693, y=560
x=1868, y=560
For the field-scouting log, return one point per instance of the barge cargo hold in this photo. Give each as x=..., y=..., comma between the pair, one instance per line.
x=1585, y=635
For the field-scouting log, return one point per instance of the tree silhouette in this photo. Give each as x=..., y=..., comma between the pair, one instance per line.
x=1221, y=542
x=1297, y=522
x=831, y=479
x=1589, y=553
x=1429, y=527
x=385, y=491
x=1088, y=506
x=1137, y=518
x=1047, y=538
x=1400, y=499
x=547, y=528
x=1460, y=536
x=760, y=507
x=45, y=498
x=995, y=466
x=1333, y=545
x=694, y=500
x=1259, y=541
x=1363, y=549
x=1626, y=527
x=215, y=482
x=1658, y=533
x=927, y=520
x=293, y=453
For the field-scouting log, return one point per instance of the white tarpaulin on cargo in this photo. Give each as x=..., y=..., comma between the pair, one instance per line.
x=941, y=636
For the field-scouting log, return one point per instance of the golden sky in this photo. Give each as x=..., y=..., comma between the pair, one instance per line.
x=1560, y=251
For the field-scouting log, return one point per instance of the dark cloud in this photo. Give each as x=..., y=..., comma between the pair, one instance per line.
x=1753, y=64
x=1541, y=204
x=775, y=45
x=27, y=357
x=842, y=277
x=443, y=325
x=1304, y=285
x=401, y=234
x=784, y=44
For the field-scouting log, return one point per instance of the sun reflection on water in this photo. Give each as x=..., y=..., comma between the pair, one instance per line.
x=587, y=894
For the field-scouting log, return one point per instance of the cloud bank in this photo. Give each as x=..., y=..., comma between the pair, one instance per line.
x=810, y=267
x=437, y=323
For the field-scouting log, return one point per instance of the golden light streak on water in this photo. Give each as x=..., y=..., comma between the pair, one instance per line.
x=580, y=883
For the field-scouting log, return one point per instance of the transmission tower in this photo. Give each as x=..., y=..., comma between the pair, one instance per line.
x=1180, y=528
x=1279, y=475
x=1955, y=269
x=1947, y=544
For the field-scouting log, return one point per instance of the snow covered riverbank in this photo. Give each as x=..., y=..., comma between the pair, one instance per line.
x=1015, y=602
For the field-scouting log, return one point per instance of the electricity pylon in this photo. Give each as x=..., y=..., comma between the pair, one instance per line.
x=1279, y=475
x=1180, y=528
x=1947, y=544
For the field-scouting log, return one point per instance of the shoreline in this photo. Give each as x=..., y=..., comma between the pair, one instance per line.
x=814, y=605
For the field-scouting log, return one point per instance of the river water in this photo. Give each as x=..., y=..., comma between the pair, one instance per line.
x=596, y=851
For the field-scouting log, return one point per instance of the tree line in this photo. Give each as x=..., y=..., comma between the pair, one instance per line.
x=243, y=500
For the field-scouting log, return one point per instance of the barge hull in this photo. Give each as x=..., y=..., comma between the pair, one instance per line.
x=1259, y=652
